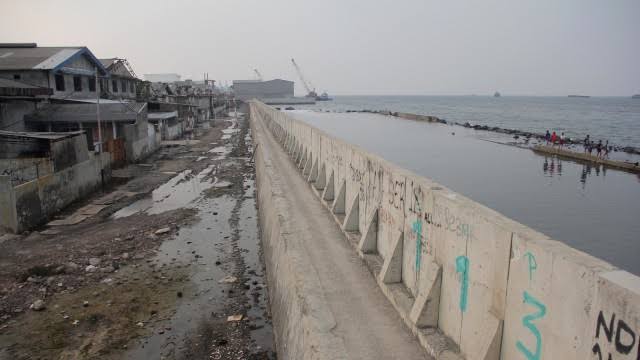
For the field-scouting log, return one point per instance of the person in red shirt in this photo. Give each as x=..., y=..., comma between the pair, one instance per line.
x=554, y=138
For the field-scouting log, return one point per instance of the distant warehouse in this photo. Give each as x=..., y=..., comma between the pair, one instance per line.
x=271, y=89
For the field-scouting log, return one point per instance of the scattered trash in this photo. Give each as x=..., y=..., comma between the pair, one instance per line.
x=228, y=280
x=50, y=232
x=162, y=231
x=235, y=317
x=38, y=305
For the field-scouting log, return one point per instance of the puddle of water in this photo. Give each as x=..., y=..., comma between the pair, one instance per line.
x=232, y=129
x=221, y=151
x=216, y=236
x=182, y=190
x=201, y=245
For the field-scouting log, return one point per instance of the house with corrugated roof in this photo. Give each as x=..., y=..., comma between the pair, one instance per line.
x=59, y=89
x=122, y=82
x=31, y=75
x=70, y=72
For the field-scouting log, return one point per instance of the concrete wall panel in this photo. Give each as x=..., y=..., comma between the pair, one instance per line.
x=615, y=318
x=391, y=213
x=549, y=306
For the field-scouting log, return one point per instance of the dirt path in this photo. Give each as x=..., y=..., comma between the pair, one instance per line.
x=155, y=274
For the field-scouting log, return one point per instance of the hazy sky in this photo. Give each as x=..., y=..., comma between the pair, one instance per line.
x=537, y=47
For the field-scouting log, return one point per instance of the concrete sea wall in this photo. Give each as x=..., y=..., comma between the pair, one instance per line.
x=468, y=281
x=302, y=322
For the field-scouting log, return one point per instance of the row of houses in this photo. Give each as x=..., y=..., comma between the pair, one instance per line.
x=68, y=117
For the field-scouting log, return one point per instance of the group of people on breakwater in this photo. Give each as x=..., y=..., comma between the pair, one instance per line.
x=602, y=150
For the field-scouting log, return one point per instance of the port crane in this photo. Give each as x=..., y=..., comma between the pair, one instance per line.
x=258, y=74
x=311, y=91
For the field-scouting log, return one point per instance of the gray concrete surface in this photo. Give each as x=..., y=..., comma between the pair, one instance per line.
x=348, y=317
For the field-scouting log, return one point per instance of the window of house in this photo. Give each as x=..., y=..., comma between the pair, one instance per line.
x=77, y=83
x=92, y=84
x=16, y=77
x=114, y=85
x=132, y=87
x=124, y=85
x=59, y=82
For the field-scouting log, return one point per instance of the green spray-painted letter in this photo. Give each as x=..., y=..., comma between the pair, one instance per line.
x=462, y=266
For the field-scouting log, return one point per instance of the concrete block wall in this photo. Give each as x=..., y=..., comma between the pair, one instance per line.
x=8, y=216
x=32, y=203
x=21, y=170
x=468, y=281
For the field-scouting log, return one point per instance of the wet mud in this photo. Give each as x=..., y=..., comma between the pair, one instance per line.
x=180, y=274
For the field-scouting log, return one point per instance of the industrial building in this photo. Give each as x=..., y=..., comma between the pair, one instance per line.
x=271, y=89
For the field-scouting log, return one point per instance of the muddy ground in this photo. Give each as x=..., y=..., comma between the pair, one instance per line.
x=169, y=269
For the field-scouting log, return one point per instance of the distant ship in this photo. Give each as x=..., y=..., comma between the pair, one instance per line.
x=580, y=96
x=636, y=96
x=496, y=94
x=323, y=97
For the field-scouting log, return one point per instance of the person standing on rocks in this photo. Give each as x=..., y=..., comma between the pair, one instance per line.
x=547, y=137
x=554, y=139
x=587, y=143
x=599, y=149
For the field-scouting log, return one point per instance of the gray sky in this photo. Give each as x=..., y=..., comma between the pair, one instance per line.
x=537, y=47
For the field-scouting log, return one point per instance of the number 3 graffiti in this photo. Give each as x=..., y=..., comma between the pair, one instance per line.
x=527, y=322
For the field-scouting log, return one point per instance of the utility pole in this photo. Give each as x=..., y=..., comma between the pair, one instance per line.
x=99, y=128
x=98, y=113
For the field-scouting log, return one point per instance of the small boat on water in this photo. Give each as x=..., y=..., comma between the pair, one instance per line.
x=496, y=94
x=323, y=97
x=579, y=96
x=636, y=96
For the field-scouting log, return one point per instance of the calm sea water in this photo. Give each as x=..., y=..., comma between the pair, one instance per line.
x=613, y=118
x=591, y=208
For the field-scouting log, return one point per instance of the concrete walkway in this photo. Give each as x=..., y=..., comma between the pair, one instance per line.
x=366, y=322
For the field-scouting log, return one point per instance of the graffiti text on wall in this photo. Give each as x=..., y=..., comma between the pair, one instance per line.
x=625, y=339
x=533, y=265
x=396, y=193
